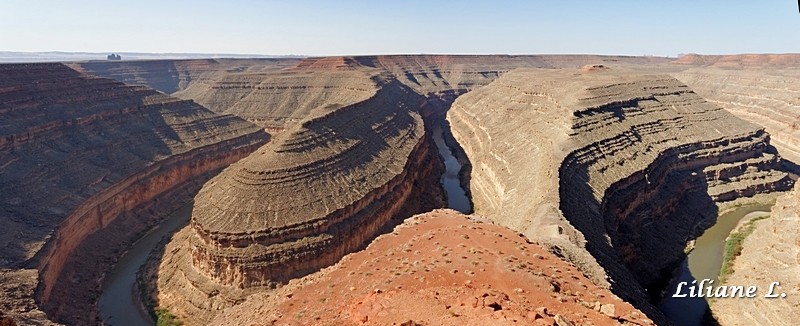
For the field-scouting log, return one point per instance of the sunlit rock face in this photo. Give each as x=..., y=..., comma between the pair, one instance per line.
x=315, y=193
x=617, y=169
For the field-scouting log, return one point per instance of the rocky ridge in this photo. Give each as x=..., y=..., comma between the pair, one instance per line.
x=441, y=268
x=80, y=155
x=633, y=152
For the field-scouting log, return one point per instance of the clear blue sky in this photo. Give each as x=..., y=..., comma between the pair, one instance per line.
x=372, y=27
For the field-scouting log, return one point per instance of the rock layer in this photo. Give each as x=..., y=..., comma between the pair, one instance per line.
x=639, y=161
x=771, y=253
x=441, y=268
x=766, y=96
x=318, y=191
x=170, y=76
x=81, y=151
x=314, y=194
x=280, y=99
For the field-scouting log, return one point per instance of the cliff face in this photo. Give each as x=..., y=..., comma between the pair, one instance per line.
x=318, y=191
x=637, y=161
x=79, y=152
x=770, y=254
x=441, y=268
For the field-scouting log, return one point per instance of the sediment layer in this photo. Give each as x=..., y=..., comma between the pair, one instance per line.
x=640, y=160
x=79, y=152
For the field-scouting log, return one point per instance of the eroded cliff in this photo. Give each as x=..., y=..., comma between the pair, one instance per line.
x=81, y=154
x=614, y=169
x=318, y=191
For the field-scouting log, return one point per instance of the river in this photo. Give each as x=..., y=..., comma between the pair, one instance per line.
x=120, y=295
x=704, y=262
x=120, y=303
x=456, y=196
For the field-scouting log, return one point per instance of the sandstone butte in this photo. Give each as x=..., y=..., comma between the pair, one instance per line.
x=612, y=168
x=84, y=160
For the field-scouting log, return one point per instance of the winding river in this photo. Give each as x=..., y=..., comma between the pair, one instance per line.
x=704, y=262
x=120, y=303
x=456, y=196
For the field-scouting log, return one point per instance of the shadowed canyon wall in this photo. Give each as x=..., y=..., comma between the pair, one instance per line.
x=79, y=152
x=623, y=166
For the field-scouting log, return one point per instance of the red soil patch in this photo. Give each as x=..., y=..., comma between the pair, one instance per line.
x=442, y=268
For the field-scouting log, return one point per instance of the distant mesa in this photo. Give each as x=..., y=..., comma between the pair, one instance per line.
x=114, y=57
x=596, y=67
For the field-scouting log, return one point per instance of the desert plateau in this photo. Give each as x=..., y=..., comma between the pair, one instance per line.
x=161, y=188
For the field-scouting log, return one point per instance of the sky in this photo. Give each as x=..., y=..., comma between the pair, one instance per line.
x=344, y=27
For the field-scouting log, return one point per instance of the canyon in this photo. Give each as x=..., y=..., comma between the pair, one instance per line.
x=86, y=160
x=603, y=167
x=609, y=167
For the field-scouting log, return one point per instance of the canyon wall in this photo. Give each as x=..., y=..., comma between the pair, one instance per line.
x=770, y=254
x=615, y=170
x=318, y=191
x=81, y=151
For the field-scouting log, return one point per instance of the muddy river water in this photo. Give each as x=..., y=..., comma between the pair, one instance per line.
x=704, y=262
x=120, y=304
x=456, y=196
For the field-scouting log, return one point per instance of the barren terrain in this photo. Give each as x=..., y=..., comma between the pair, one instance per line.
x=588, y=175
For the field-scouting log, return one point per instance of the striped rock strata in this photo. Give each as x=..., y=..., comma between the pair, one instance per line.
x=770, y=254
x=767, y=96
x=79, y=156
x=318, y=191
x=616, y=170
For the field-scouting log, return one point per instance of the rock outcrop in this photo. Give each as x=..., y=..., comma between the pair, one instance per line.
x=318, y=191
x=770, y=254
x=441, y=268
x=80, y=154
x=614, y=169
